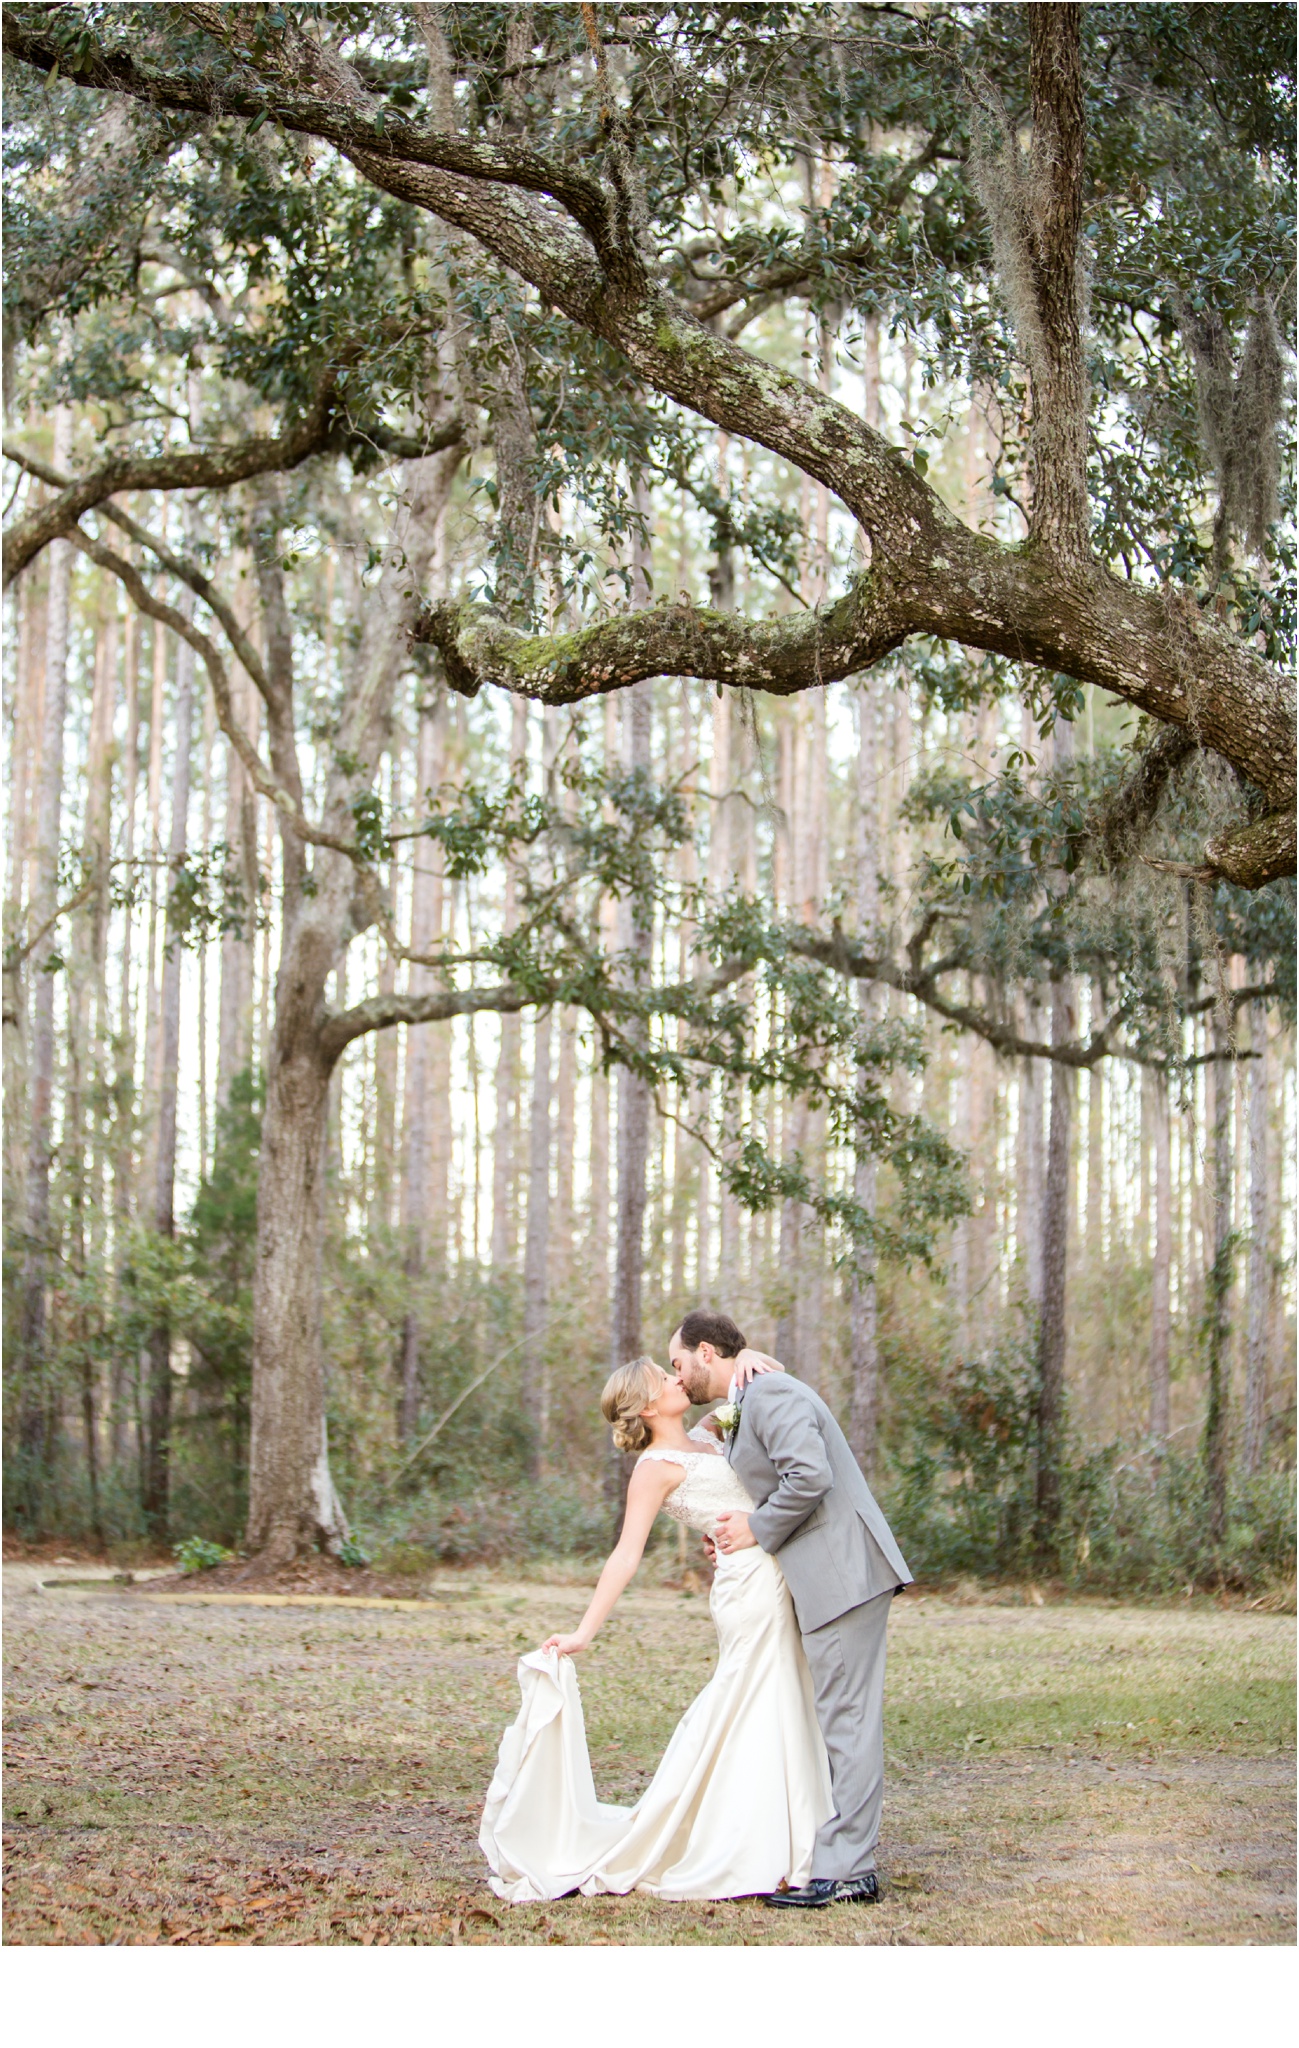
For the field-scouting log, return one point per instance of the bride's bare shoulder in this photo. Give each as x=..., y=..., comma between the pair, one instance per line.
x=656, y=1472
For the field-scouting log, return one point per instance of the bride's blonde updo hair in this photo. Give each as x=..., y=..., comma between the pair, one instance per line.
x=626, y=1392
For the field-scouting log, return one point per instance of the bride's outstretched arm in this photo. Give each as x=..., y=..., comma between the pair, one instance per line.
x=650, y=1486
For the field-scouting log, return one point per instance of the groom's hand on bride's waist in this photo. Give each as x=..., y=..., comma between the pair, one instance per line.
x=733, y=1532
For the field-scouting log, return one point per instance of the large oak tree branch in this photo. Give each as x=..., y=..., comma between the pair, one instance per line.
x=1046, y=602
x=313, y=93
x=185, y=469
x=1181, y=669
x=178, y=470
x=185, y=571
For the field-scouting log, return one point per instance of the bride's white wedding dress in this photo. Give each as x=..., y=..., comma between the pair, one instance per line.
x=744, y=1784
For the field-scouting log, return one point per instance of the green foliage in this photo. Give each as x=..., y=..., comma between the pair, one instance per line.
x=195, y=1554
x=352, y=1555
x=220, y=1243
x=1134, y=1518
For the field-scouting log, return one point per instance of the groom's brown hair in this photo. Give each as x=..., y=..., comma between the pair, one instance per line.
x=705, y=1326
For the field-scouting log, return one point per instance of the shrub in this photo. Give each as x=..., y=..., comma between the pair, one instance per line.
x=196, y=1554
x=1133, y=1517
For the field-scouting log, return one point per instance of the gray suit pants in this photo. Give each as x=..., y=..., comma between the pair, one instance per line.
x=846, y=1659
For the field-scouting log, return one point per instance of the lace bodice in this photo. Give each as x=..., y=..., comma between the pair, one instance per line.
x=709, y=1489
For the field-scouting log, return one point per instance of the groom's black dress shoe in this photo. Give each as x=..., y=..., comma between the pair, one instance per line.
x=820, y=1892
x=863, y=1890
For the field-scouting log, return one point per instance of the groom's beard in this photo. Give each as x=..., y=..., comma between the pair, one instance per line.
x=694, y=1378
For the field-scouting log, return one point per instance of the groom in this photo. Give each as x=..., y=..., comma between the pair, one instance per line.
x=817, y=1515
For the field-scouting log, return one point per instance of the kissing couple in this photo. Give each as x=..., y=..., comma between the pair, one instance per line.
x=772, y=1783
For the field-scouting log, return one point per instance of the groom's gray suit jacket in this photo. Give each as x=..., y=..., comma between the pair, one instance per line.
x=814, y=1510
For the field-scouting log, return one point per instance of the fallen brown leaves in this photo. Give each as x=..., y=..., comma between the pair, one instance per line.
x=189, y=1776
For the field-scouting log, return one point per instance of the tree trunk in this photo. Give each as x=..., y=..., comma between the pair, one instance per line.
x=863, y=1421
x=157, y=1484
x=633, y=1107
x=383, y=1136
x=33, y=1405
x=565, y=1146
x=292, y=1501
x=536, y=1379
x=1260, y=1264
x=1161, y=1272
x=1218, y=1284
x=87, y=1008
x=123, y=1165
x=25, y=774
x=1055, y=1244
x=292, y=1504
x=152, y=993
x=504, y=1235
x=235, y=1016
x=633, y=1092
x=417, y=1122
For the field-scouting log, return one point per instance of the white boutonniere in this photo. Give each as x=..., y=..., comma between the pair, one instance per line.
x=727, y=1417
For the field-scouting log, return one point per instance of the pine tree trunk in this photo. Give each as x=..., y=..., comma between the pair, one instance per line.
x=235, y=1014
x=504, y=1235
x=123, y=1163
x=633, y=1092
x=1218, y=1284
x=1161, y=1271
x=633, y=1106
x=536, y=1379
x=417, y=1190
x=157, y=1483
x=1032, y=1163
x=1052, y=1320
x=1260, y=1264
x=152, y=993
x=625, y=1341
x=863, y=1308
x=34, y=1398
x=383, y=1154
x=25, y=775
x=86, y=1049
x=565, y=1144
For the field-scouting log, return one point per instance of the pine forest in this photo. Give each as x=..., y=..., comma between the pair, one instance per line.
x=648, y=662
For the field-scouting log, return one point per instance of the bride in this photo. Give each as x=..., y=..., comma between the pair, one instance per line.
x=744, y=1784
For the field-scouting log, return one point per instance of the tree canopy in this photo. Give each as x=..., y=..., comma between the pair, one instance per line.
x=1085, y=213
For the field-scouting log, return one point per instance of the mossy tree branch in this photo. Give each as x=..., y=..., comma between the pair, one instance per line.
x=566, y=231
